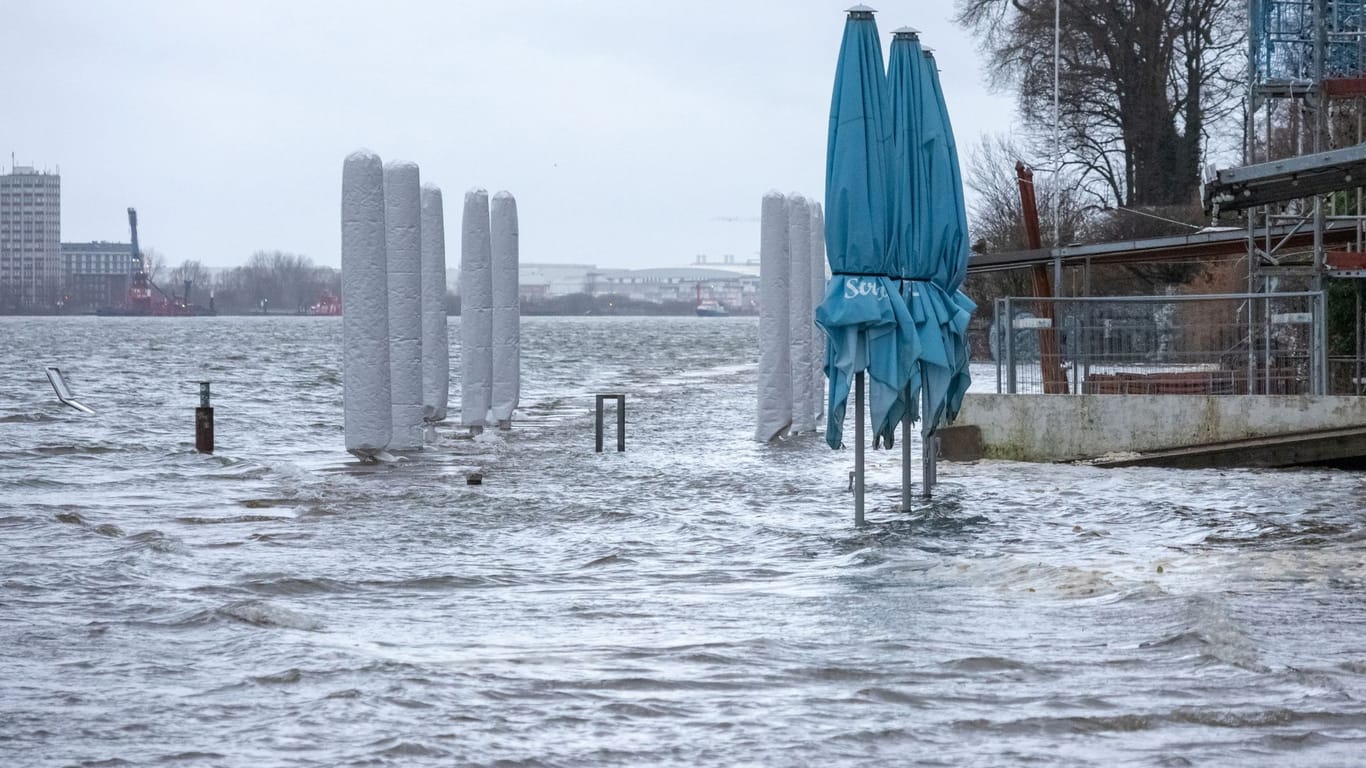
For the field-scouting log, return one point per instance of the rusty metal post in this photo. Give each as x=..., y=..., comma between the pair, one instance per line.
x=203, y=421
x=1050, y=362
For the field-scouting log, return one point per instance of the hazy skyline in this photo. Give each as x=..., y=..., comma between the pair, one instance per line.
x=633, y=134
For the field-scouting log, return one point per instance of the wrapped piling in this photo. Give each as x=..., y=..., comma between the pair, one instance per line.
x=476, y=312
x=775, y=366
x=507, y=312
x=436, y=350
x=365, y=302
x=403, y=242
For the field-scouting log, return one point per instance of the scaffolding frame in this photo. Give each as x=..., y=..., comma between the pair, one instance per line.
x=1303, y=57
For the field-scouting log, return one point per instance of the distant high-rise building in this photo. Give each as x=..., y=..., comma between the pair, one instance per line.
x=30, y=240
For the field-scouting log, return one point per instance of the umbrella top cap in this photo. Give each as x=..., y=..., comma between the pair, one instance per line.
x=905, y=32
x=861, y=12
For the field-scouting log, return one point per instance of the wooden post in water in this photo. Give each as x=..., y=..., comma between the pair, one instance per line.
x=203, y=421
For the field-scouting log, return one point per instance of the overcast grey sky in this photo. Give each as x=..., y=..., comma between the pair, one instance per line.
x=633, y=133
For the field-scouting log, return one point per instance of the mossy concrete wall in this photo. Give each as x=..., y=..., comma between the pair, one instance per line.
x=1072, y=427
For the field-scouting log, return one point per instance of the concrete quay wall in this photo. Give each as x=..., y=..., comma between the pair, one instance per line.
x=1076, y=427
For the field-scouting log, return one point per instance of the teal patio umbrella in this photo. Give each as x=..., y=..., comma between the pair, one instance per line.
x=946, y=243
x=862, y=313
x=912, y=197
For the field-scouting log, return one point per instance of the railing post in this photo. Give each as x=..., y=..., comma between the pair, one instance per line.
x=1010, y=348
x=1000, y=344
x=621, y=422
x=1321, y=341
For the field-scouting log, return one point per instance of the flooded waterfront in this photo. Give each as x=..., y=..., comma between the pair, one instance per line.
x=698, y=600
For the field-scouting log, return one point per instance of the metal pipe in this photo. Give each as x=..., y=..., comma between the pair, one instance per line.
x=930, y=459
x=1057, y=146
x=597, y=427
x=1000, y=343
x=858, y=448
x=1010, y=348
x=906, y=455
x=928, y=456
x=1321, y=328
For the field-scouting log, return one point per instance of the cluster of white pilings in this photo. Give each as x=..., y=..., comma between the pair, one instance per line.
x=395, y=357
x=792, y=283
x=490, y=311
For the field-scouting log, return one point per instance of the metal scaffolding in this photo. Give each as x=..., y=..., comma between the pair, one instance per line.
x=1304, y=150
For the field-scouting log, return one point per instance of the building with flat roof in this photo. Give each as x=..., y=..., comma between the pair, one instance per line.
x=30, y=240
x=737, y=291
x=96, y=274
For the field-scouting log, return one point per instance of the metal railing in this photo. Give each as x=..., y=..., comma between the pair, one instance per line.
x=1249, y=343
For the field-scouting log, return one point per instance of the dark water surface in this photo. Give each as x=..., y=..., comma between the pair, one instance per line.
x=698, y=600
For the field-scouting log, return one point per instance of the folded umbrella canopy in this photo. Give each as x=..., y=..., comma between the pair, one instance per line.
x=862, y=309
x=911, y=244
x=946, y=244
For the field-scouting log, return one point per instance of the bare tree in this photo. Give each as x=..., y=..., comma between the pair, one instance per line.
x=997, y=221
x=154, y=264
x=193, y=271
x=1141, y=81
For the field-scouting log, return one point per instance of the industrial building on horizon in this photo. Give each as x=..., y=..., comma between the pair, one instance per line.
x=41, y=274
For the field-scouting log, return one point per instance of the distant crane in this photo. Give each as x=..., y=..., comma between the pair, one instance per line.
x=140, y=294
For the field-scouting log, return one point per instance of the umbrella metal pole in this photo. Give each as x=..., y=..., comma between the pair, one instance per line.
x=906, y=457
x=858, y=448
x=927, y=453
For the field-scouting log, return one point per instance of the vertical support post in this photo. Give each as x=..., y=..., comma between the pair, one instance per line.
x=1359, y=368
x=1000, y=345
x=203, y=421
x=1320, y=143
x=929, y=457
x=621, y=422
x=1266, y=345
x=1045, y=292
x=597, y=427
x=1321, y=342
x=1010, y=347
x=906, y=455
x=858, y=448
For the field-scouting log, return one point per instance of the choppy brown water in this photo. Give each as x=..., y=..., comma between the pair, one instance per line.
x=698, y=600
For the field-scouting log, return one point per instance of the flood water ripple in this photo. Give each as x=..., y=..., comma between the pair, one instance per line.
x=697, y=600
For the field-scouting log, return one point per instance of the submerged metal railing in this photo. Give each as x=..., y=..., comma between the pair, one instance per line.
x=1224, y=344
x=621, y=421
